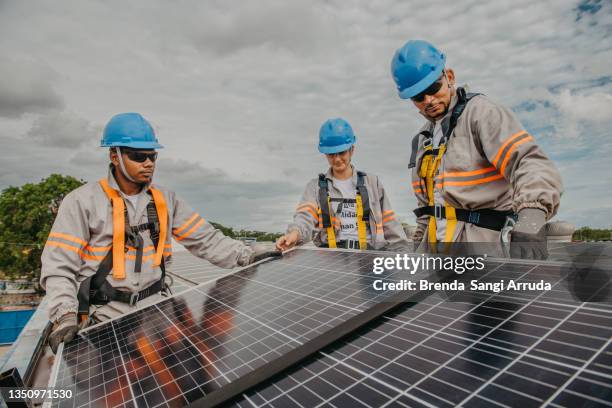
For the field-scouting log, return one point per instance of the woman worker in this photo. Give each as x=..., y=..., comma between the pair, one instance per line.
x=345, y=207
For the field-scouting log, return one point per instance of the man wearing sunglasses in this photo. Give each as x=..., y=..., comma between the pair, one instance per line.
x=110, y=244
x=475, y=170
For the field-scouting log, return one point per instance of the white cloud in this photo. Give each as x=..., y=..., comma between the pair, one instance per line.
x=64, y=130
x=596, y=106
x=243, y=87
x=27, y=86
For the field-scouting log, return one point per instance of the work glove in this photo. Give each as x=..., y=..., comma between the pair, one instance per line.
x=288, y=241
x=528, y=237
x=63, y=330
x=262, y=252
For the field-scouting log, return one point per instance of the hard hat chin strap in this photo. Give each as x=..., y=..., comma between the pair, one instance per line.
x=122, y=166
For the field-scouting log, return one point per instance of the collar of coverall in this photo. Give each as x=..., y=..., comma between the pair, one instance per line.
x=113, y=183
x=329, y=175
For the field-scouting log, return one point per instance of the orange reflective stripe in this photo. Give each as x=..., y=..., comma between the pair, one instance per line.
x=416, y=183
x=311, y=212
x=118, y=230
x=390, y=218
x=418, y=191
x=162, y=214
x=178, y=230
x=471, y=182
x=468, y=173
x=74, y=249
x=307, y=205
x=506, y=143
x=387, y=213
x=505, y=162
x=188, y=233
x=97, y=249
x=67, y=237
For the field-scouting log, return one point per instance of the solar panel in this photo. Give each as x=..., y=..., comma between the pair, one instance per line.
x=215, y=340
x=443, y=349
x=194, y=271
x=486, y=349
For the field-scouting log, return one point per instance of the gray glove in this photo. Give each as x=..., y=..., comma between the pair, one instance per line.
x=528, y=237
x=262, y=252
x=64, y=330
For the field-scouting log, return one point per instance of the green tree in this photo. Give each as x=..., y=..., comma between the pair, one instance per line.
x=592, y=234
x=26, y=216
x=227, y=231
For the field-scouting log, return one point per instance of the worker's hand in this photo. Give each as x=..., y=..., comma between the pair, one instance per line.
x=528, y=237
x=63, y=330
x=262, y=252
x=288, y=241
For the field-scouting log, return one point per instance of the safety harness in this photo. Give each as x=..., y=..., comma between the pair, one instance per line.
x=485, y=218
x=363, y=210
x=96, y=290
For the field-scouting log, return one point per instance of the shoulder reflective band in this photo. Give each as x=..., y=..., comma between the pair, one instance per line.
x=118, y=230
x=162, y=214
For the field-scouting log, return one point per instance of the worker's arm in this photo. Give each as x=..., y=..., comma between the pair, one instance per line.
x=205, y=241
x=392, y=228
x=61, y=257
x=305, y=219
x=535, y=180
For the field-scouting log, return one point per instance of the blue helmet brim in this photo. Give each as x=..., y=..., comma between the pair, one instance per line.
x=335, y=149
x=135, y=145
x=424, y=83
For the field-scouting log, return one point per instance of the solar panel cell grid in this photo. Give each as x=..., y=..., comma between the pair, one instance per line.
x=195, y=343
x=513, y=348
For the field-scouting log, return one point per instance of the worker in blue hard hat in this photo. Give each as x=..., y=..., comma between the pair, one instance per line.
x=344, y=208
x=110, y=245
x=475, y=170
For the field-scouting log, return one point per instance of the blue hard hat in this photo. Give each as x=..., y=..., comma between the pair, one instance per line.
x=416, y=66
x=129, y=130
x=335, y=136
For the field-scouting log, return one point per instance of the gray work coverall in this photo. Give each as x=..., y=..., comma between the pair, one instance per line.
x=386, y=231
x=82, y=234
x=490, y=162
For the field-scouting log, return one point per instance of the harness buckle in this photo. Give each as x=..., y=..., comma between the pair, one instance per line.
x=438, y=211
x=133, y=298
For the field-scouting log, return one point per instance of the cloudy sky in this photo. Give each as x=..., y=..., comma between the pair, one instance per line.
x=237, y=91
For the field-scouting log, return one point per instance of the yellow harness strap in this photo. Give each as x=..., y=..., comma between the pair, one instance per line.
x=451, y=224
x=162, y=215
x=331, y=233
x=361, y=226
x=118, y=230
x=428, y=169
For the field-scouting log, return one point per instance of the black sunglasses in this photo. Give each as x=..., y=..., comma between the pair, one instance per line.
x=140, y=157
x=431, y=90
